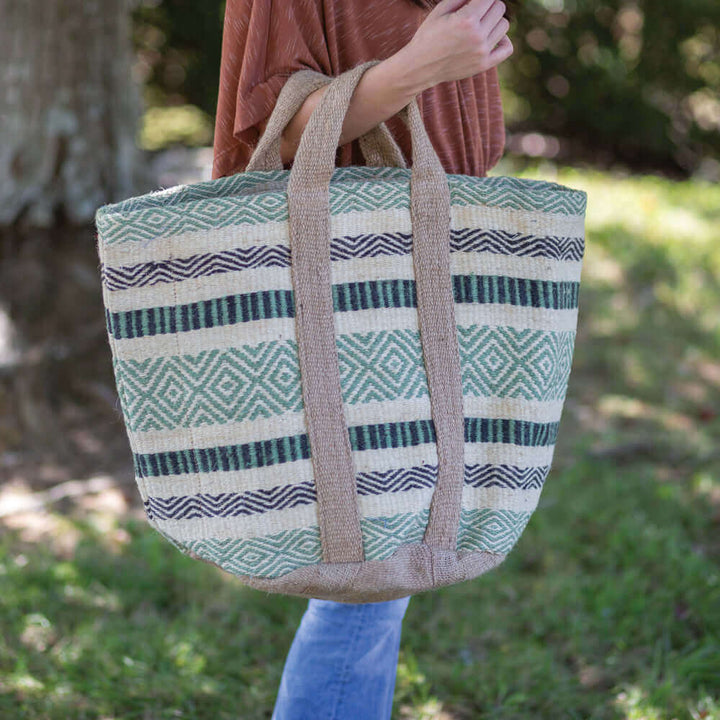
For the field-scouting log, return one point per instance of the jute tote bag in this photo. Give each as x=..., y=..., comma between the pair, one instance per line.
x=343, y=383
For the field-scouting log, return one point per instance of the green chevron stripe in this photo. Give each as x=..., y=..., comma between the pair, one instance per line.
x=517, y=194
x=244, y=384
x=268, y=556
x=481, y=530
x=383, y=536
x=246, y=199
x=491, y=530
x=378, y=294
x=380, y=436
x=242, y=184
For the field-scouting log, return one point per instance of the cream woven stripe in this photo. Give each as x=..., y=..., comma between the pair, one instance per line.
x=236, y=433
x=252, y=526
x=343, y=271
x=244, y=235
x=217, y=482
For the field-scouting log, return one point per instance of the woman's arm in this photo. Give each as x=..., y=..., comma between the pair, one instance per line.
x=383, y=90
x=458, y=39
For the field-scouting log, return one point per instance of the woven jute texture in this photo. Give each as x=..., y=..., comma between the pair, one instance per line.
x=343, y=383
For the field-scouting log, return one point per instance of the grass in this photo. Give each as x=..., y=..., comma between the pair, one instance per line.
x=607, y=609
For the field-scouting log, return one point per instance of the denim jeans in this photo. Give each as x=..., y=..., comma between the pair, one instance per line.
x=342, y=662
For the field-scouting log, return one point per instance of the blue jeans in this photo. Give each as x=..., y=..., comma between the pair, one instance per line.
x=342, y=662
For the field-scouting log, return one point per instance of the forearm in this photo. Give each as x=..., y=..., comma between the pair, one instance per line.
x=383, y=90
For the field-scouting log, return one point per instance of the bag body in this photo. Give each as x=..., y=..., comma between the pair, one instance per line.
x=323, y=396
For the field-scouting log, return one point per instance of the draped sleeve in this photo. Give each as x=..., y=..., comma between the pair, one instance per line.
x=264, y=41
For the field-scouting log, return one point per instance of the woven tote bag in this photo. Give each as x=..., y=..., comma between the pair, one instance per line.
x=343, y=383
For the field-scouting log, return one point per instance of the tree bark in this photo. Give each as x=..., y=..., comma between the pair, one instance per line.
x=69, y=110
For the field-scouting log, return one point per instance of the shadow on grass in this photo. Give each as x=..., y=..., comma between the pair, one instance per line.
x=646, y=365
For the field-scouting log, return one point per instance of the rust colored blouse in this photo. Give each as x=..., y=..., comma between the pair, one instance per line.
x=264, y=41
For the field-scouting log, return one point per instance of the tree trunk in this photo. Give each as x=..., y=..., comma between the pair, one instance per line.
x=69, y=110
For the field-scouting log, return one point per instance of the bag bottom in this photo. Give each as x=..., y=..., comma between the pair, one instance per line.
x=412, y=569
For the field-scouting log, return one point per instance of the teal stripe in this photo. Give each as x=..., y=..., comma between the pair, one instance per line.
x=391, y=294
x=145, y=322
x=515, y=432
x=490, y=530
x=364, y=437
x=268, y=556
x=480, y=530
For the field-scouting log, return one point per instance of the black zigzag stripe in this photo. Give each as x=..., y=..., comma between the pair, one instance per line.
x=255, y=502
x=501, y=242
x=498, y=242
x=377, y=483
x=370, y=245
x=145, y=274
x=283, y=497
x=192, y=507
x=506, y=476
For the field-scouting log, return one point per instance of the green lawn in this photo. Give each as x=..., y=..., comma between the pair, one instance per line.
x=607, y=608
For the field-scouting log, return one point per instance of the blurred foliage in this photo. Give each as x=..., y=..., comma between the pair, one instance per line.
x=631, y=80
x=635, y=79
x=178, y=45
x=175, y=125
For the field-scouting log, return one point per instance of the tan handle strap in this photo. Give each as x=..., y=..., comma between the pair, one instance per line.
x=380, y=149
x=431, y=220
x=293, y=94
x=377, y=145
x=308, y=197
x=310, y=233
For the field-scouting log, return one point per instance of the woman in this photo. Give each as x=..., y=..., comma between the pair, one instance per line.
x=343, y=660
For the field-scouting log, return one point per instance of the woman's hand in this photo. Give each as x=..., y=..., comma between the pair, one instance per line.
x=458, y=39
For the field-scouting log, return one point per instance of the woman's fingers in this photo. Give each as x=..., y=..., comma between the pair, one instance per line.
x=464, y=38
x=502, y=52
x=449, y=6
x=493, y=15
x=498, y=32
x=490, y=16
x=478, y=9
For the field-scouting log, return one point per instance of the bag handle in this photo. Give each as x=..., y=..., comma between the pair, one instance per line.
x=377, y=145
x=308, y=195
